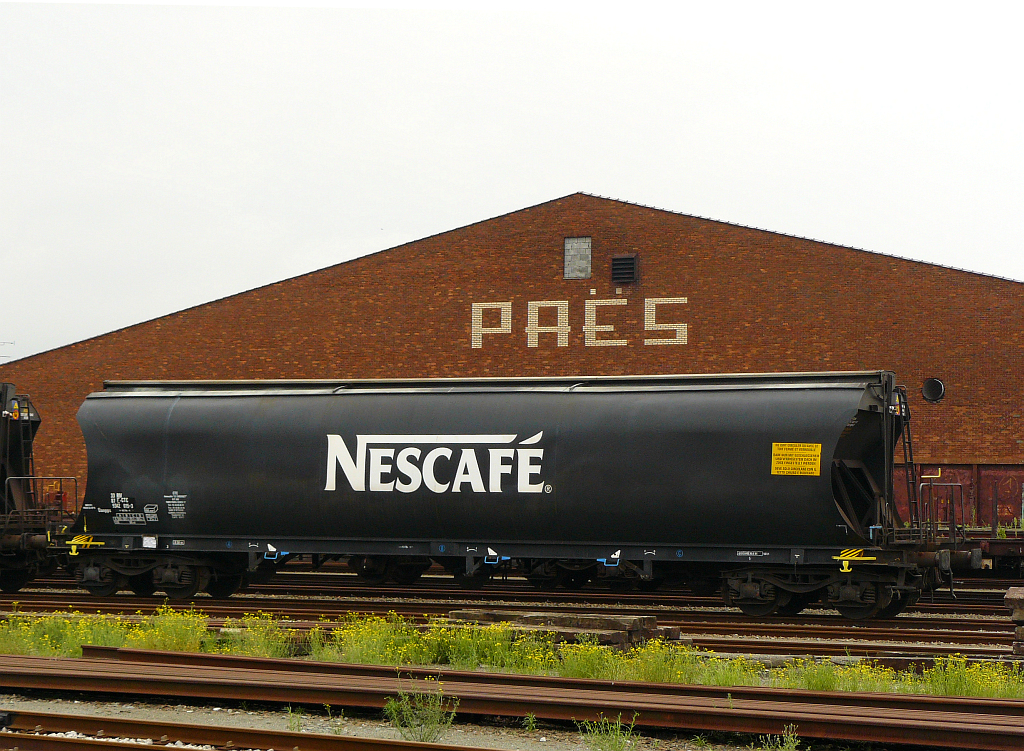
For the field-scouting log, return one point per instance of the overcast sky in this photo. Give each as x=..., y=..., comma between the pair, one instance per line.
x=158, y=157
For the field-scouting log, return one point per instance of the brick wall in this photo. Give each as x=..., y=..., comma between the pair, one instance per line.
x=755, y=302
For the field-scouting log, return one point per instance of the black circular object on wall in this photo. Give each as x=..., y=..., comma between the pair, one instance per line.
x=933, y=390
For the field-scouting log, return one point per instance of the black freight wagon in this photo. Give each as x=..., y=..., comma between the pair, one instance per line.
x=776, y=487
x=31, y=507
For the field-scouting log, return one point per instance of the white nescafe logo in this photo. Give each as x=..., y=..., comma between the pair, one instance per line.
x=406, y=462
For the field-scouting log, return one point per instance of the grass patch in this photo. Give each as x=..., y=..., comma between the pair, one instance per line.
x=788, y=741
x=63, y=634
x=171, y=630
x=395, y=641
x=607, y=735
x=59, y=635
x=655, y=662
x=954, y=676
x=950, y=676
x=827, y=676
x=392, y=640
x=258, y=635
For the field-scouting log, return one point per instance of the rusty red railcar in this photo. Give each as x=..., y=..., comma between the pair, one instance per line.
x=991, y=495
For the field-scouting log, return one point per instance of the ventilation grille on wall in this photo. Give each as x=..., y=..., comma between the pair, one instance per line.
x=624, y=269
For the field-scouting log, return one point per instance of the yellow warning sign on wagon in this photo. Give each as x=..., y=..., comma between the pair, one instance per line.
x=796, y=459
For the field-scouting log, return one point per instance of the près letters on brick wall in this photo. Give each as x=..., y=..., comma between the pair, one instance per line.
x=660, y=314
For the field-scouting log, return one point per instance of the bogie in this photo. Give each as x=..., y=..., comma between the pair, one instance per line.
x=181, y=581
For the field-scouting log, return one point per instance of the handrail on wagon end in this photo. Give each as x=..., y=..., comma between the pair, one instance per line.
x=32, y=478
x=931, y=508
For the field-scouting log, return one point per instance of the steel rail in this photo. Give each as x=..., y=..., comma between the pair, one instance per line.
x=342, y=584
x=972, y=594
x=302, y=568
x=299, y=574
x=755, y=644
x=863, y=699
x=904, y=629
x=417, y=605
x=39, y=602
x=924, y=725
x=29, y=729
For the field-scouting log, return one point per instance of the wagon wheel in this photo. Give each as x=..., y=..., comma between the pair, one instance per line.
x=859, y=611
x=142, y=584
x=893, y=609
x=761, y=608
x=224, y=586
x=116, y=583
x=197, y=577
x=12, y=581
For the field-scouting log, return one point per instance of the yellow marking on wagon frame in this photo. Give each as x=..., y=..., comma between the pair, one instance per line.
x=852, y=554
x=83, y=541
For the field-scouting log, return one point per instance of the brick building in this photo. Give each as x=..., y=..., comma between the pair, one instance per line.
x=584, y=285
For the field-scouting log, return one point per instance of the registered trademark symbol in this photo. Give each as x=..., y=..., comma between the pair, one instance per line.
x=548, y=488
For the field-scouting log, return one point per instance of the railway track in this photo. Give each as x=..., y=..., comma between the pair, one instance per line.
x=299, y=582
x=719, y=619
x=971, y=595
x=814, y=634
x=929, y=721
x=513, y=595
x=38, y=731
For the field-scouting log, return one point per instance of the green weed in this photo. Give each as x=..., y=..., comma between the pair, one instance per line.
x=63, y=634
x=335, y=719
x=827, y=676
x=257, y=635
x=607, y=735
x=588, y=659
x=294, y=719
x=396, y=641
x=421, y=716
x=172, y=630
x=954, y=676
x=788, y=741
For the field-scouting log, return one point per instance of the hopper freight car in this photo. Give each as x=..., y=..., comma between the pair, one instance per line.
x=778, y=488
